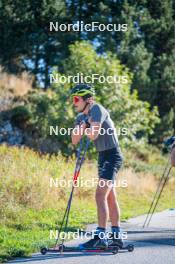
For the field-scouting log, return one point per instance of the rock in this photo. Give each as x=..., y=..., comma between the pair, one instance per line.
x=10, y=134
x=13, y=135
x=8, y=127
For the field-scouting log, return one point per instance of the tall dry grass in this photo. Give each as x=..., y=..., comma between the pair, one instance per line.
x=26, y=177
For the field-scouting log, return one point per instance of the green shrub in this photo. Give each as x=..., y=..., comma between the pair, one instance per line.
x=20, y=115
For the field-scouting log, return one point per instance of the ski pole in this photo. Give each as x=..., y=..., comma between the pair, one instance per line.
x=157, y=191
x=76, y=174
x=69, y=200
x=78, y=165
x=169, y=142
x=158, y=198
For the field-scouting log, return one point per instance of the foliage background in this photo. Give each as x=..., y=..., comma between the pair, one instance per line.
x=147, y=48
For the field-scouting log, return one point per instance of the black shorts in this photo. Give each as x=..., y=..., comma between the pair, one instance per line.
x=109, y=163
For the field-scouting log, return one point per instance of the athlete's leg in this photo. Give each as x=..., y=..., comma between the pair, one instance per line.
x=102, y=192
x=114, y=210
x=114, y=214
x=99, y=240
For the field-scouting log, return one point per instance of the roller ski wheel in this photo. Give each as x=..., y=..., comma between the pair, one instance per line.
x=61, y=248
x=115, y=250
x=43, y=251
x=130, y=248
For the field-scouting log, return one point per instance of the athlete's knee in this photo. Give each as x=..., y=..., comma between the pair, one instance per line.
x=100, y=195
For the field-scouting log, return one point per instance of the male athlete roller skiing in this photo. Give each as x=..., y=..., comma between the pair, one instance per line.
x=91, y=119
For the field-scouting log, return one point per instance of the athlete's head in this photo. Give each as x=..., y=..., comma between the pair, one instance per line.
x=82, y=95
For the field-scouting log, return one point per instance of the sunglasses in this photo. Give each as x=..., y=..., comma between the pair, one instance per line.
x=76, y=99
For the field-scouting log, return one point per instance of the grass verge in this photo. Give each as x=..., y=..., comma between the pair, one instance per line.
x=30, y=206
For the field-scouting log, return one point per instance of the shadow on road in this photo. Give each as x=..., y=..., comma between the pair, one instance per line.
x=159, y=237
x=39, y=257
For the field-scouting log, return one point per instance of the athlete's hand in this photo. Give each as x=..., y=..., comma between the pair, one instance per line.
x=83, y=125
x=87, y=123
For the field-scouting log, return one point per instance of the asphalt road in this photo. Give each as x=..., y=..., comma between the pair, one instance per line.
x=155, y=245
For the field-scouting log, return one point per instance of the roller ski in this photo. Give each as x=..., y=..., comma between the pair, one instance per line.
x=95, y=245
x=65, y=249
